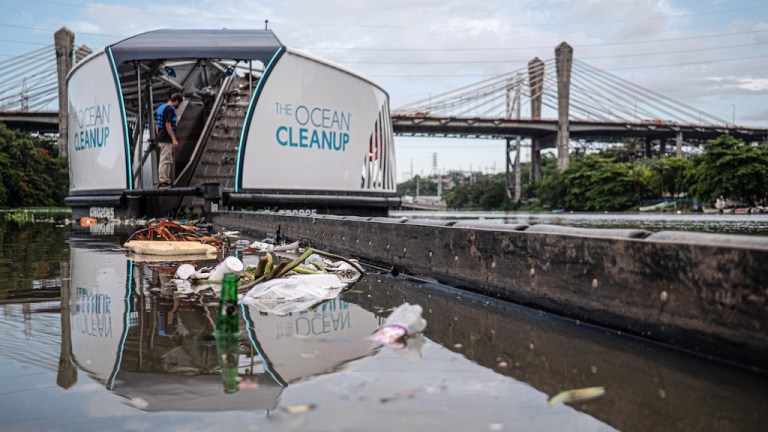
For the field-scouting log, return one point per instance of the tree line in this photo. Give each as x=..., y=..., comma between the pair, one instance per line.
x=31, y=171
x=616, y=180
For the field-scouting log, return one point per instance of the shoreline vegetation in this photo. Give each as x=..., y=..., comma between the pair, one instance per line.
x=31, y=171
x=36, y=214
x=729, y=175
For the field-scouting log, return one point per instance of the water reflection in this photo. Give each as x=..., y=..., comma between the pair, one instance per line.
x=124, y=345
x=648, y=387
x=131, y=332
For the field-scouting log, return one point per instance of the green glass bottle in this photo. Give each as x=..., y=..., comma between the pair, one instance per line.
x=227, y=320
x=228, y=333
x=228, y=349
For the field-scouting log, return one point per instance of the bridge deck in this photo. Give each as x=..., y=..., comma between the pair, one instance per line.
x=31, y=121
x=479, y=127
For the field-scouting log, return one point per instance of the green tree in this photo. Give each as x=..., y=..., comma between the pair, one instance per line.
x=668, y=176
x=550, y=189
x=480, y=191
x=31, y=173
x=731, y=169
x=592, y=183
x=596, y=183
x=426, y=185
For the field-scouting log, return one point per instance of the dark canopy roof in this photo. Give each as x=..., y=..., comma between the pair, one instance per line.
x=184, y=44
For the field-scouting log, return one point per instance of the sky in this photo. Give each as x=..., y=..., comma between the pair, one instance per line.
x=708, y=54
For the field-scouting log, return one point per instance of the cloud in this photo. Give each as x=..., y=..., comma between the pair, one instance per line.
x=748, y=84
x=754, y=84
x=85, y=27
x=418, y=48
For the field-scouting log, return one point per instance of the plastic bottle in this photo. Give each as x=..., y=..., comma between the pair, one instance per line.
x=229, y=265
x=408, y=316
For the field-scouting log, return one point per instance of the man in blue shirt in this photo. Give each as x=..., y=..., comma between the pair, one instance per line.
x=165, y=118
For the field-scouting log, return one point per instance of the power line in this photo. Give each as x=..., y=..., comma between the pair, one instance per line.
x=23, y=42
x=430, y=76
x=518, y=48
x=582, y=58
x=436, y=62
x=673, y=52
x=55, y=30
x=689, y=63
x=10, y=56
x=607, y=69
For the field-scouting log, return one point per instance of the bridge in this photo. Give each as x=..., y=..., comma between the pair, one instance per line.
x=31, y=121
x=420, y=124
x=547, y=104
x=584, y=103
x=32, y=86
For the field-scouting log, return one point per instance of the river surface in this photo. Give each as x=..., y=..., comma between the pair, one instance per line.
x=93, y=340
x=756, y=224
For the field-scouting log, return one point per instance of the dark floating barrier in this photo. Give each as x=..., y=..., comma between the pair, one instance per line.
x=700, y=292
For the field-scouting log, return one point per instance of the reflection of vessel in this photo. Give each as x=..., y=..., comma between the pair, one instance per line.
x=98, y=309
x=130, y=333
x=301, y=345
x=156, y=352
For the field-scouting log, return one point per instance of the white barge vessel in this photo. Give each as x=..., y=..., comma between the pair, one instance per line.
x=261, y=126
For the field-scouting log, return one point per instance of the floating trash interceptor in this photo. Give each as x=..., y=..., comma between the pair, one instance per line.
x=261, y=125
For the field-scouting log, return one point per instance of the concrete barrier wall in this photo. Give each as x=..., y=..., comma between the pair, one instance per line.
x=702, y=292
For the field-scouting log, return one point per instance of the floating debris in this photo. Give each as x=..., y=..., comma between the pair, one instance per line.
x=390, y=335
x=171, y=238
x=263, y=246
x=139, y=403
x=576, y=395
x=298, y=409
x=185, y=271
x=411, y=393
x=278, y=284
x=230, y=264
x=289, y=277
x=402, y=330
x=171, y=248
x=408, y=316
x=293, y=293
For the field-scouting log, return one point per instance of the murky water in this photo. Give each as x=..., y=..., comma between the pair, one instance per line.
x=756, y=224
x=90, y=340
